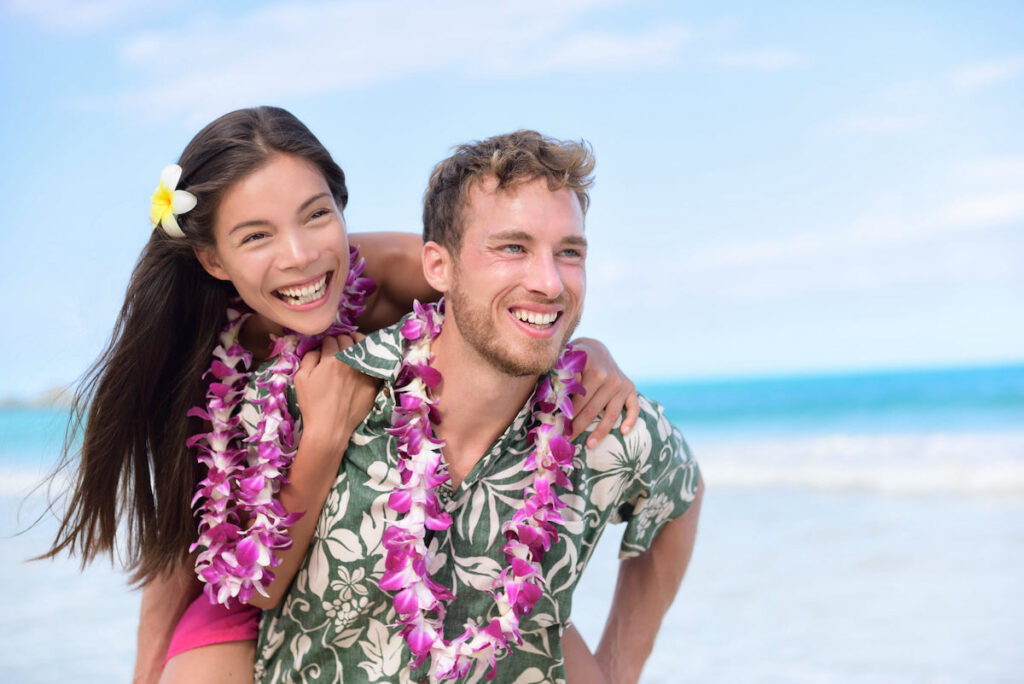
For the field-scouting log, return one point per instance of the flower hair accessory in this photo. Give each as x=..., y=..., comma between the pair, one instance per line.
x=168, y=202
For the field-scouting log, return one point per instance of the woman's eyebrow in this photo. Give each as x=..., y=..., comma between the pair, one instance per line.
x=264, y=222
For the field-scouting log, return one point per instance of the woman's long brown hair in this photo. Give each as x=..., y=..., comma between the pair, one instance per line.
x=132, y=493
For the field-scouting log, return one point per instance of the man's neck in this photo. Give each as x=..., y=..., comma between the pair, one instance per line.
x=476, y=402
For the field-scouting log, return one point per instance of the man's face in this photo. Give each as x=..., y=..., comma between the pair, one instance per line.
x=518, y=282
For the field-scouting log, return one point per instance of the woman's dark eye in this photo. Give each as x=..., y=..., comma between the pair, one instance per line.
x=252, y=237
x=319, y=213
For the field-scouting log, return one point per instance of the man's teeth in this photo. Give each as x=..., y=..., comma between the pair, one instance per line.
x=542, y=320
x=306, y=293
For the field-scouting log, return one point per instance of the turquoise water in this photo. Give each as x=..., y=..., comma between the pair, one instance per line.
x=31, y=436
x=983, y=398
x=987, y=398
x=943, y=430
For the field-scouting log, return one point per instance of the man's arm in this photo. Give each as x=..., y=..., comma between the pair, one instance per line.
x=645, y=589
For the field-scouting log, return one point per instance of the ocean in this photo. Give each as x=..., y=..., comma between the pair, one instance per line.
x=864, y=527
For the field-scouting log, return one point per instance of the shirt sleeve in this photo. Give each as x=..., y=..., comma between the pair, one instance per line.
x=645, y=478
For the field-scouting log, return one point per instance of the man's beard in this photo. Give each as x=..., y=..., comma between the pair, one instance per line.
x=478, y=330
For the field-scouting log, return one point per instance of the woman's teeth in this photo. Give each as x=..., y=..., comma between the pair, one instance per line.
x=304, y=294
x=540, y=320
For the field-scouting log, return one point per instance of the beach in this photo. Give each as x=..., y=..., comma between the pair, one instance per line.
x=828, y=551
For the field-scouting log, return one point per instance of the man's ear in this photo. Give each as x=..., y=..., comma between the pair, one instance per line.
x=437, y=266
x=210, y=262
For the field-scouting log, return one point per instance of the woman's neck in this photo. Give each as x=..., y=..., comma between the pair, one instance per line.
x=255, y=337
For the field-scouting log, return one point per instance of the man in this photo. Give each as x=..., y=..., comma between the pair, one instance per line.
x=504, y=242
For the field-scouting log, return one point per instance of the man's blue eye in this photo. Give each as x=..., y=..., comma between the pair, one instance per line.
x=514, y=248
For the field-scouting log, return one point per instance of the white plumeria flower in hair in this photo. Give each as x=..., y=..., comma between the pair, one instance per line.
x=168, y=202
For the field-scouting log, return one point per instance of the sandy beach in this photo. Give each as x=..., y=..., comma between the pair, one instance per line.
x=786, y=585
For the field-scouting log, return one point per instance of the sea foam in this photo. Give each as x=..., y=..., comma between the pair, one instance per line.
x=985, y=464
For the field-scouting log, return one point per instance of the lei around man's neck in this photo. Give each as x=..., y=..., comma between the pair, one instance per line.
x=419, y=601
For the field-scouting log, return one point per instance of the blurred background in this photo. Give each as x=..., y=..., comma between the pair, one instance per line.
x=806, y=241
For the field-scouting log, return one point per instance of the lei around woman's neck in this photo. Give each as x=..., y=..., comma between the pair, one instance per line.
x=245, y=473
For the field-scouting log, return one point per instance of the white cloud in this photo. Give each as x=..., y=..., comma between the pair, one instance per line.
x=656, y=47
x=984, y=211
x=975, y=212
x=1005, y=171
x=881, y=123
x=972, y=241
x=988, y=73
x=764, y=59
x=77, y=16
x=217, y=62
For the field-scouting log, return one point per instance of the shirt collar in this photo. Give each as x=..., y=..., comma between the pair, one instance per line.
x=379, y=354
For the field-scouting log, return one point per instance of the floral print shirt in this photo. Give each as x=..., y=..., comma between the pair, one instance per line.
x=335, y=624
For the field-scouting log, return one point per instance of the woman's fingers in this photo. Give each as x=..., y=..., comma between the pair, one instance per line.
x=346, y=340
x=329, y=347
x=309, y=361
x=612, y=411
x=590, y=407
x=632, y=410
x=607, y=401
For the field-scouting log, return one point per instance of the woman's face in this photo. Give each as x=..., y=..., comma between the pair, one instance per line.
x=279, y=237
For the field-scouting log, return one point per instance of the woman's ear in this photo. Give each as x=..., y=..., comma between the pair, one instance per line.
x=207, y=256
x=437, y=266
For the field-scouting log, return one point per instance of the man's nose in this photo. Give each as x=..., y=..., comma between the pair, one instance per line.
x=544, y=277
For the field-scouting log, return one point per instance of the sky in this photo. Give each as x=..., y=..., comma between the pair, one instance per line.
x=780, y=187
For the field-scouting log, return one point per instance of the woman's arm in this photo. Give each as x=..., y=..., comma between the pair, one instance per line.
x=164, y=601
x=334, y=399
x=608, y=390
x=394, y=261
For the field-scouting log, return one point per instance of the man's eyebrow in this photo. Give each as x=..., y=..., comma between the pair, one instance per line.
x=264, y=222
x=523, y=236
x=519, y=235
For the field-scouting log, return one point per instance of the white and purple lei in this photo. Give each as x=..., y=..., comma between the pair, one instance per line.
x=241, y=522
x=420, y=601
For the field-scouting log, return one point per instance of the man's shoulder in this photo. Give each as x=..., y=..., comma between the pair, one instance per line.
x=379, y=354
x=650, y=433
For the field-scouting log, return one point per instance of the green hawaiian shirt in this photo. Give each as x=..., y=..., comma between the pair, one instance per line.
x=335, y=624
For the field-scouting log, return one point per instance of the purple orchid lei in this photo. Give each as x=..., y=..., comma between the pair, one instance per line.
x=420, y=601
x=245, y=474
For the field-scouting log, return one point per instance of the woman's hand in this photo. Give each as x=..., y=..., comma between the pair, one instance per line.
x=333, y=397
x=608, y=391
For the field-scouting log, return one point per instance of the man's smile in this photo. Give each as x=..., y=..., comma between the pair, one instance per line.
x=536, y=319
